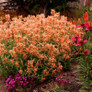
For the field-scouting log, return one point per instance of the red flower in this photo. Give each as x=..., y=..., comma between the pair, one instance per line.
x=86, y=16
x=86, y=52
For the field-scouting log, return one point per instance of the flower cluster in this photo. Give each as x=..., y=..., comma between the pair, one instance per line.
x=18, y=80
x=84, y=55
x=10, y=83
x=31, y=44
x=23, y=82
x=60, y=81
x=79, y=42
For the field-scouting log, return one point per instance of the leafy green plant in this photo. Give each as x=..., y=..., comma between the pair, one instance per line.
x=84, y=56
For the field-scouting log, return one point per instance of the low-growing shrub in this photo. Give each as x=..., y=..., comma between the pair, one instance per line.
x=35, y=45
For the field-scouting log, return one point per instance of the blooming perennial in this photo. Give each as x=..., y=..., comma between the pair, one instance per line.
x=31, y=44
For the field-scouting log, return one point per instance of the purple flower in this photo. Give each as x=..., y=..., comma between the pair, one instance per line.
x=19, y=80
x=62, y=81
x=10, y=83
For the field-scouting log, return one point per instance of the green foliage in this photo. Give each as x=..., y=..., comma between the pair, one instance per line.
x=78, y=13
x=66, y=63
x=85, y=63
x=56, y=88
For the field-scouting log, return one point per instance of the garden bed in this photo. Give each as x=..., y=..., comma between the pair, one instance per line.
x=40, y=52
x=69, y=75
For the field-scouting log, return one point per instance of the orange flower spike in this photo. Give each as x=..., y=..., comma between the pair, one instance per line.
x=54, y=72
x=5, y=58
x=54, y=65
x=12, y=61
x=79, y=21
x=7, y=17
x=17, y=64
x=20, y=71
x=21, y=62
x=24, y=56
x=44, y=71
x=4, y=62
x=28, y=70
x=61, y=67
x=42, y=78
x=86, y=17
x=52, y=11
x=37, y=64
x=67, y=57
x=5, y=51
x=47, y=73
x=35, y=70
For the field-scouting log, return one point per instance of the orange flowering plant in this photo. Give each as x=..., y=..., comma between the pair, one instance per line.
x=36, y=45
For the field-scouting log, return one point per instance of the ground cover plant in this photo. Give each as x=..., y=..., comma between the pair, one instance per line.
x=35, y=48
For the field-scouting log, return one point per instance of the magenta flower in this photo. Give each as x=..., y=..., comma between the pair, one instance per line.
x=18, y=79
x=79, y=26
x=88, y=28
x=83, y=25
x=62, y=81
x=10, y=83
x=75, y=39
x=86, y=52
x=73, y=53
x=85, y=41
x=81, y=42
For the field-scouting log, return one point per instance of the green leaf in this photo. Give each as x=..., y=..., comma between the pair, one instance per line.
x=83, y=91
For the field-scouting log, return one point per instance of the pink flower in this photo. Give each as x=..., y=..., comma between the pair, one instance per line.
x=81, y=42
x=85, y=41
x=88, y=28
x=86, y=52
x=83, y=25
x=79, y=26
x=76, y=38
x=72, y=55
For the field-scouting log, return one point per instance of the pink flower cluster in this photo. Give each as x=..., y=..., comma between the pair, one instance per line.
x=81, y=42
x=10, y=84
x=87, y=26
x=78, y=41
x=62, y=81
x=18, y=79
x=75, y=39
